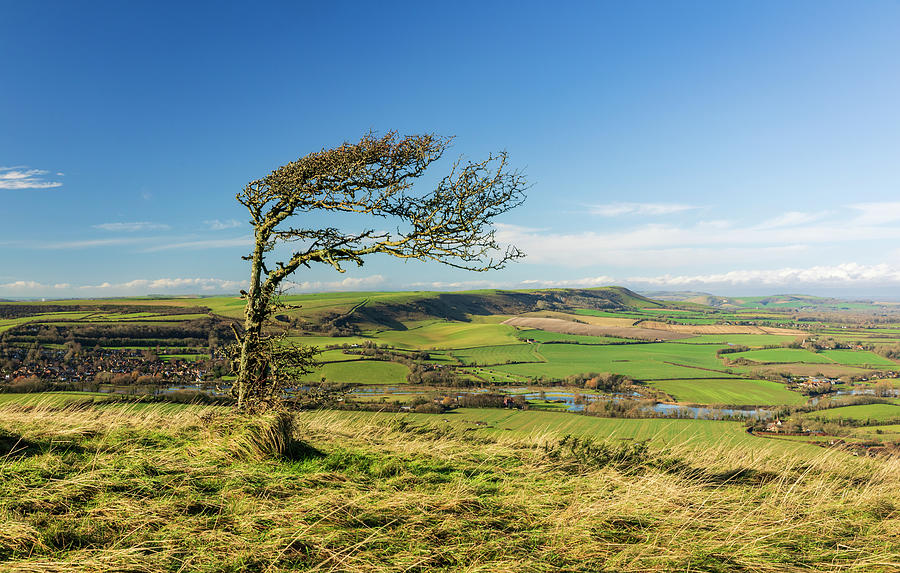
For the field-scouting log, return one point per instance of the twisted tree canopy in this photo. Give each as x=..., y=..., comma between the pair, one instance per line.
x=451, y=224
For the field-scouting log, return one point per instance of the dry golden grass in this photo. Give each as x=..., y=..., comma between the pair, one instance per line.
x=198, y=489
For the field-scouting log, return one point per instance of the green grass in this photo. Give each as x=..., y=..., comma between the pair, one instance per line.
x=733, y=392
x=323, y=341
x=544, y=336
x=50, y=398
x=362, y=372
x=860, y=413
x=858, y=358
x=890, y=431
x=487, y=355
x=449, y=335
x=203, y=489
x=640, y=361
x=799, y=355
x=750, y=340
x=492, y=376
x=783, y=356
x=661, y=431
x=336, y=356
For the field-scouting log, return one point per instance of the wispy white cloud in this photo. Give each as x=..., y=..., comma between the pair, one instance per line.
x=670, y=245
x=182, y=285
x=876, y=213
x=570, y=283
x=25, y=178
x=174, y=285
x=203, y=244
x=23, y=286
x=846, y=274
x=349, y=283
x=792, y=218
x=217, y=225
x=460, y=285
x=137, y=286
x=617, y=209
x=89, y=243
x=131, y=227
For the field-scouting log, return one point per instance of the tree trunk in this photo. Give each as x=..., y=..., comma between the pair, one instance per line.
x=255, y=315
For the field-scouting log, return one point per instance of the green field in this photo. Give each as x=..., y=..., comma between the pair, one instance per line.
x=489, y=355
x=751, y=340
x=783, y=356
x=323, y=341
x=860, y=413
x=640, y=361
x=544, y=336
x=445, y=334
x=336, y=356
x=493, y=376
x=800, y=355
x=50, y=398
x=361, y=372
x=858, y=358
x=659, y=431
x=732, y=392
x=891, y=431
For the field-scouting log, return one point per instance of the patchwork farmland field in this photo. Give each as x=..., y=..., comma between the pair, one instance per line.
x=650, y=361
x=361, y=372
x=783, y=356
x=445, y=335
x=546, y=336
x=862, y=413
x=738, y=392
x=481, y=336
x=858, y=358
x=489, y=355
x=749, y=340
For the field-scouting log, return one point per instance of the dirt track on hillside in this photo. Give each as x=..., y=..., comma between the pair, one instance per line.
x=569, y=327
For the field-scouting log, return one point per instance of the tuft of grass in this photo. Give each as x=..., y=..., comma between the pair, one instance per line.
x=270, y=437
x=193, y=488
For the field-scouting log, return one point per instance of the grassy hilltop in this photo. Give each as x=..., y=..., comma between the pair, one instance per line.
x=93, y=487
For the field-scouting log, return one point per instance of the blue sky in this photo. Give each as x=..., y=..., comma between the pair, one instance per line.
x=736, y=148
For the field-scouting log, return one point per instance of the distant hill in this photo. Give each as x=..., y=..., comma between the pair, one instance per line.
x=390, y=310
x=675, y=295
x=782, y=301
x=704, y=298
x=802, y=301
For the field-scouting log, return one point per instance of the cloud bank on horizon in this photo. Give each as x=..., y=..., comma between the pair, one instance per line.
x=846, y=276
x=563, y=256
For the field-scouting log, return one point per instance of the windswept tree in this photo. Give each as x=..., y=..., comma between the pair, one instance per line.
x=451, y=224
